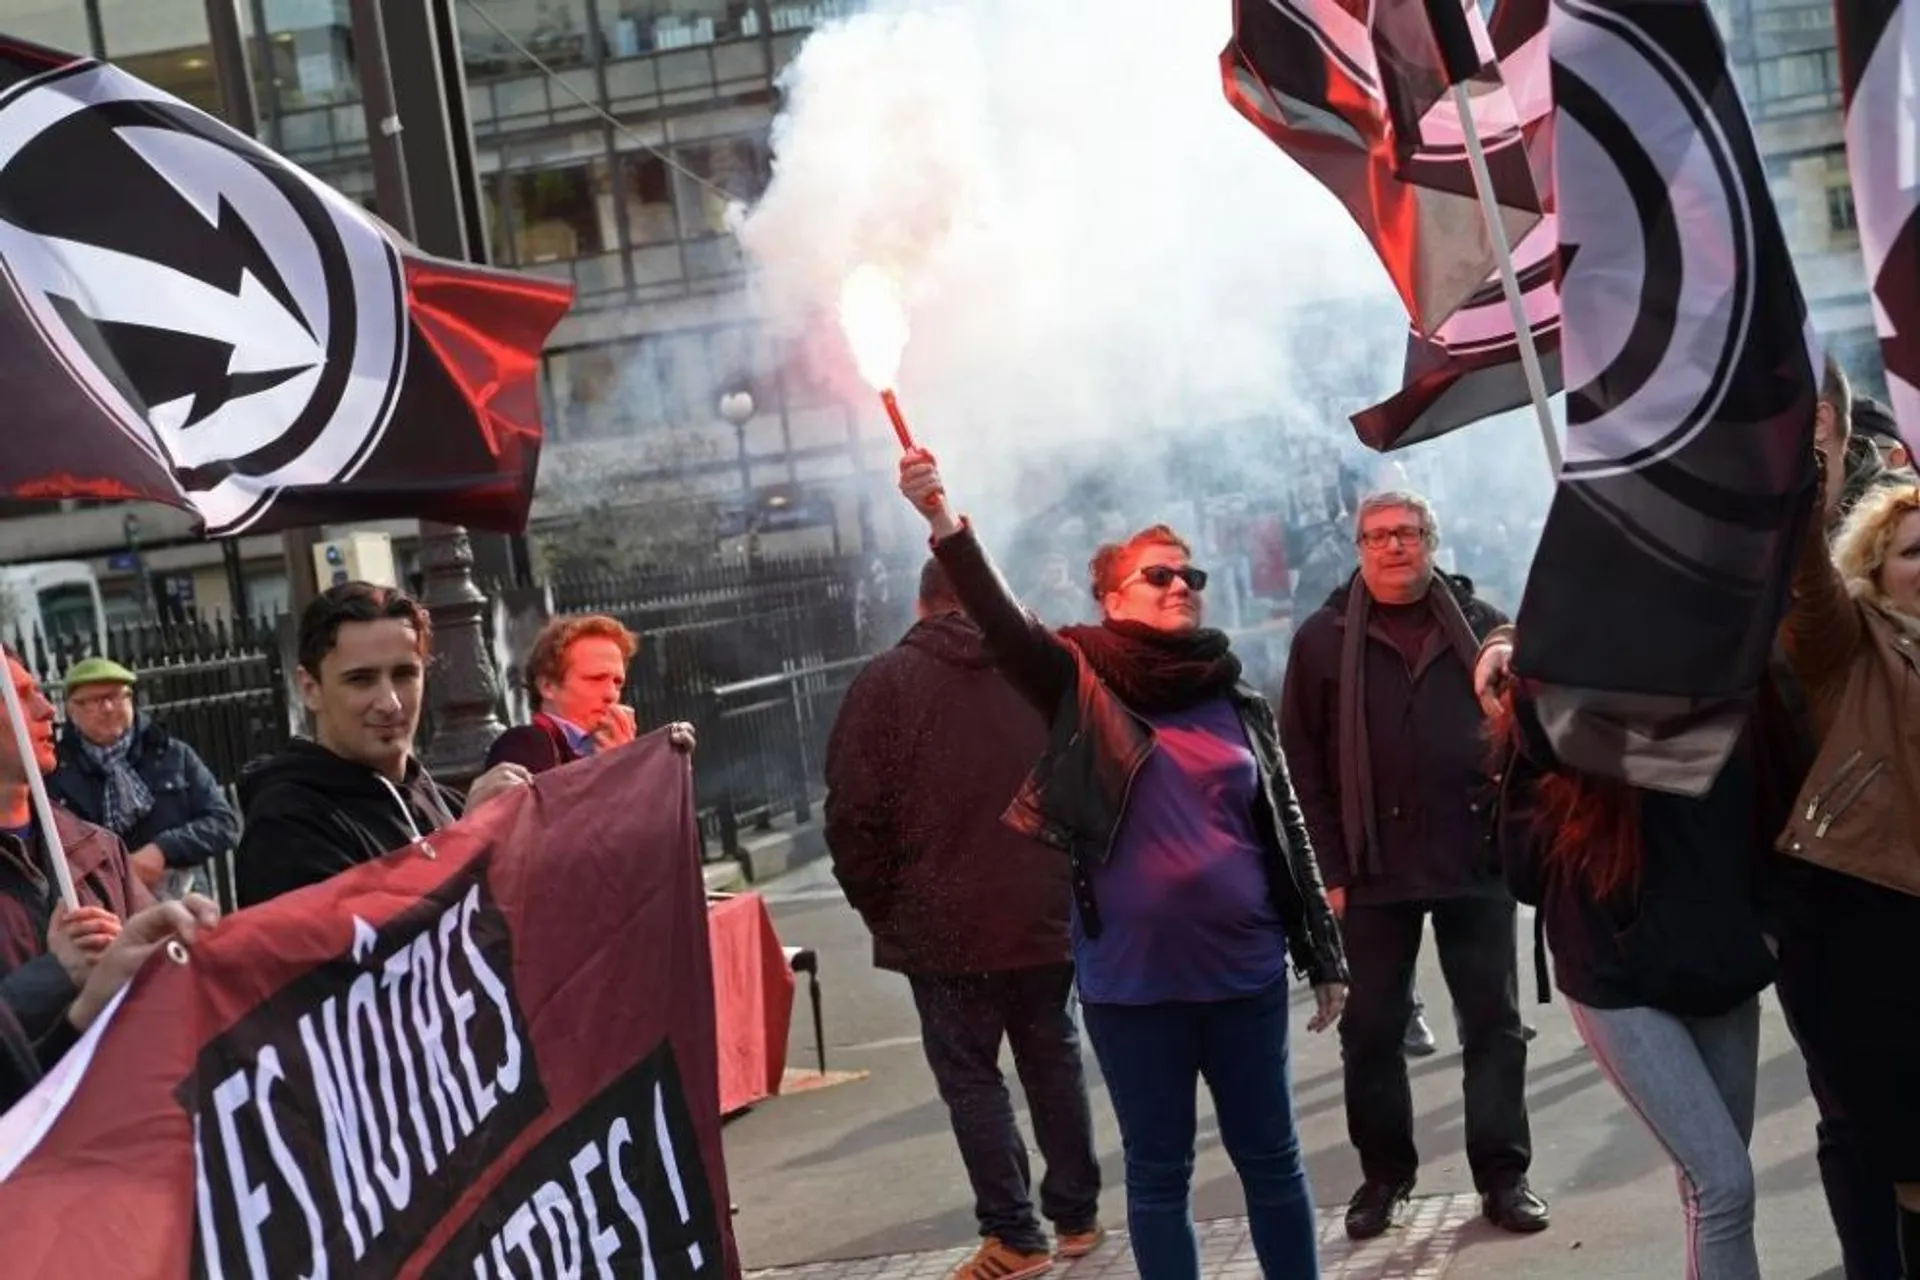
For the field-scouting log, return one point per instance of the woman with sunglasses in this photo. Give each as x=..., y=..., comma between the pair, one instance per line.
x=1193, y=877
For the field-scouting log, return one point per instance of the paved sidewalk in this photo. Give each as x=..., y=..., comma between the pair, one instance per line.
x=869, y=1170
x=1421, y=1250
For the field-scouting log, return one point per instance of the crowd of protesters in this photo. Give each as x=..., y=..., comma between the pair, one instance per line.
x=1100, y=815
x=1097, y=819
x=139, y=816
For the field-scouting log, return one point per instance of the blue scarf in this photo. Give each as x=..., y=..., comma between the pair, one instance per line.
x=127, y=799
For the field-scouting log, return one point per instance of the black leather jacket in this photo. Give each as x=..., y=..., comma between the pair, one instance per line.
x=1076, y=794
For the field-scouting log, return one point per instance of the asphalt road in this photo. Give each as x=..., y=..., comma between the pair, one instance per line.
x=868, y=1167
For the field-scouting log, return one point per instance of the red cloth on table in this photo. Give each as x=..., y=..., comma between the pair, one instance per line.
x=752, y=1000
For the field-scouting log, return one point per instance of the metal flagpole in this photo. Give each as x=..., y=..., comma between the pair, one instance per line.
x=1509, y=280
x=37, y=788
x=1462, y=61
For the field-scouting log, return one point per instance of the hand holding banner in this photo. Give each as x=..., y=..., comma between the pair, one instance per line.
x=495, y=1061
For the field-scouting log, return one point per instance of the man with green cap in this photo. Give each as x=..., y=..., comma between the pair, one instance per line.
x=123, y=772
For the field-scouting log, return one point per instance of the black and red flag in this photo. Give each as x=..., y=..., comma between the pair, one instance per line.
x=190, y=319
x=497, y=1060
x=1360, y=98
x=1662, y=573
x=1469, y=367
x=1879, y=58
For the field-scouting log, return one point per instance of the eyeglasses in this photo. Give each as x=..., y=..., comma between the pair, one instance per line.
x=95, y=700
x=1161, y=576
x=1406, y=535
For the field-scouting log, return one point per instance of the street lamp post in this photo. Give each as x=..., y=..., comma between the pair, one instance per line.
x=737, y=408
x=464, y=690
x=142, y=588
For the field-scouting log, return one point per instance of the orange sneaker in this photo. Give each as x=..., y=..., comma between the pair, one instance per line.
x=997, y=1260
x=1078, y=1244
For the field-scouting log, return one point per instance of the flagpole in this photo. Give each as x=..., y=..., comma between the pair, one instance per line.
x=37, y=789
x=1509, y=280
x=1462, y=61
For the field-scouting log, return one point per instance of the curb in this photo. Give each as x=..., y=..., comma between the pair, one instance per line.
x=778, y=852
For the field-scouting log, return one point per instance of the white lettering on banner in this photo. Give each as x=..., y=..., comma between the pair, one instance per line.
x=426, y=1022
x=603, y=1243
x=664, y=1137
x=508, y=1076
x=373, y=1059
x=269, y=1073
x=203, y=1202
x=619, y=1138
x=558, y=1211
x=460, y=1003
x=617, y=1190
x=231, y=1095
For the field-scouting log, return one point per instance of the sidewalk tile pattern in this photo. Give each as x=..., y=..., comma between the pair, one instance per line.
x=1420, y=1250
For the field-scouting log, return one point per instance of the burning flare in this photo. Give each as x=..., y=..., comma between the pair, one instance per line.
x=873, y=315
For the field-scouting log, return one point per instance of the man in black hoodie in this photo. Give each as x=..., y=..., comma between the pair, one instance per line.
x=925, y=756
x=354, y=791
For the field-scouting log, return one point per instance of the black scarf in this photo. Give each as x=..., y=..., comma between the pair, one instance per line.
x=1157, y=672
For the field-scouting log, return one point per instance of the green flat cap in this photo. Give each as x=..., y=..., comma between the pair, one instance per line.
x=97, y=671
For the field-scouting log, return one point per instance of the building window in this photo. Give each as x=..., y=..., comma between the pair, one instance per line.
x=1795, y=76
x=557, y=214
x=584, y=384
x=554, y=31
x=631, y=388
x=58, y=24
x=310, y=44
x=1840, y=212
x=635, y=27
x=647, y=187
x=163, y=42
x=717, y=175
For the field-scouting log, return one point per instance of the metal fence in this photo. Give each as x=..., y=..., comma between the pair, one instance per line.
x=768, y=739
x=755, y=656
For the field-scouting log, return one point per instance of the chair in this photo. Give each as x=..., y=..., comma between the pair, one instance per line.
x=805, y=960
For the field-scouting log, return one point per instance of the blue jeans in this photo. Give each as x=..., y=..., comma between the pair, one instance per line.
x=1153, y=1057
x=1692, y=1082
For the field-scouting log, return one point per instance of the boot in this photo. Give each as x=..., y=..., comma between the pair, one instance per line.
x=1910, y=1242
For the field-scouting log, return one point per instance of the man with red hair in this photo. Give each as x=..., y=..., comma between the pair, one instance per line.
x=577, y=669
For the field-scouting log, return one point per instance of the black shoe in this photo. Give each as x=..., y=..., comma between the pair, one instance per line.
x=1515, y=1208
x=1419, y=1041
x=1528, y=1031
x=1375, y=1207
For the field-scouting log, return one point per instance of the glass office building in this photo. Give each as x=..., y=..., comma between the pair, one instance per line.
x=576, y=108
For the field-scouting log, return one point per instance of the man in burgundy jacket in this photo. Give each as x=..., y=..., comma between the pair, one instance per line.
x=577, y=669
x=928, y=749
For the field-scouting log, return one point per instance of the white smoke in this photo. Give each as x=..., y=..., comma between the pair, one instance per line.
x=1093, y=244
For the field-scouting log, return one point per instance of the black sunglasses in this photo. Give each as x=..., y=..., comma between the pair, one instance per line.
x=1162, y=576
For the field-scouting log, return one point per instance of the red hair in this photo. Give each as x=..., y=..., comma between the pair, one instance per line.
x=1588, y=828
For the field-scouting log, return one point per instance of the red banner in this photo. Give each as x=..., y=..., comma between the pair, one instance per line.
x=489, y=1055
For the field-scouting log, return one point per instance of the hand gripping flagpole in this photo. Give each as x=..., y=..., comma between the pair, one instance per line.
x=37, y=789
x=1462, y=62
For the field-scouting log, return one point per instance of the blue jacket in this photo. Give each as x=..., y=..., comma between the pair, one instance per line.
x=190, y=821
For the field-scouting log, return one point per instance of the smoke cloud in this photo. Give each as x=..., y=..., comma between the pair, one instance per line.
x=1096, y=250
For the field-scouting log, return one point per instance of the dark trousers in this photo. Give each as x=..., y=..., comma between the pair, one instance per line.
x=1154, y=1057
x=963, y=1020
x=1865, y=1213
x=1480, y=960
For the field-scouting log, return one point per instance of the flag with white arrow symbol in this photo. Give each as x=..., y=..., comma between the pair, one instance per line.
x=186, y=317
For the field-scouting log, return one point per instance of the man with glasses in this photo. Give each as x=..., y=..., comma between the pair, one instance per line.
x=1385, y=740
x=121, y=771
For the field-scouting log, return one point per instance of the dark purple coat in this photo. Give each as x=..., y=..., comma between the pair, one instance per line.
x=929, y=748
x=538, y=746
